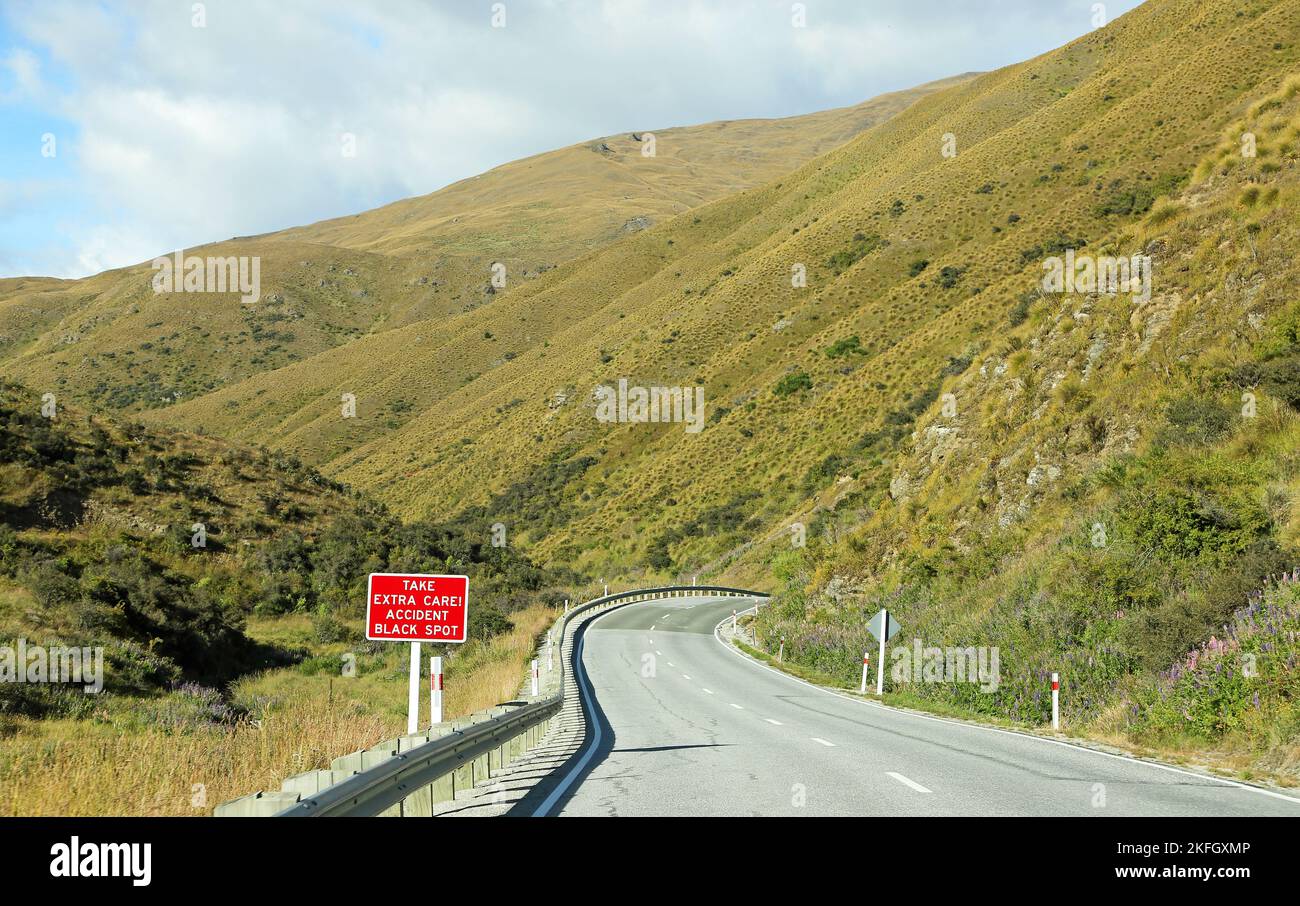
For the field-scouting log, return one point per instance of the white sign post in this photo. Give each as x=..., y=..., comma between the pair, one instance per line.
x=866, y=662
x=880, y=666
x=435, y=691
x=883, y=627
x=413, y=696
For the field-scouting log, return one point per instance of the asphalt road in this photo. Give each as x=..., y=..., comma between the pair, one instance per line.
x=689, y=727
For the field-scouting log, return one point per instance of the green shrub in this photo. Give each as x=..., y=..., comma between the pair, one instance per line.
x=793, y=383
x=844, y=347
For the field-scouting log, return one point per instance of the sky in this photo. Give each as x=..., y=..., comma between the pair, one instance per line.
x=132, y=129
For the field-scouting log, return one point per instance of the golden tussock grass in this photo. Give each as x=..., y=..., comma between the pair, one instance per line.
x=126, y=765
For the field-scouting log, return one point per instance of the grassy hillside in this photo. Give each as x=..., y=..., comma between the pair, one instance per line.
x=923, y=258
x=1113, y=493
x=110, y=342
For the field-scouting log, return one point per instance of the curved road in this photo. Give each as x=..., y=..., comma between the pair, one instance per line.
x=689, y=727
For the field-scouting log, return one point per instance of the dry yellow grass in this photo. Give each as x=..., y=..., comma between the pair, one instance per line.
x=132, y=767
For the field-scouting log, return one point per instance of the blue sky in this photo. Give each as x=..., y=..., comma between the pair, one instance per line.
x=173, y=127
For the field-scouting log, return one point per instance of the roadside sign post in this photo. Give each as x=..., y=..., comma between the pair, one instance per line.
x=866, y=663
x=435, y=691
x=883, y=627
x=413, y=693
x=880, y=663
x=1056, y=701
x=416, y=609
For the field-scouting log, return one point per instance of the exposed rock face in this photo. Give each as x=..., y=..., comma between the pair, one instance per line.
x=899, y=485
x=1151, y=320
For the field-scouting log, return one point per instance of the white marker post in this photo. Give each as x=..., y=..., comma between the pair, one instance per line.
x=866, y=662
x=566, y=607
x=550, y=660
x=780, y=654
x=733, y=619
x=1056, y=701
x=435, y=691
x=880, y=664
x=534, y=677
x=606, y=589
x=413, y=697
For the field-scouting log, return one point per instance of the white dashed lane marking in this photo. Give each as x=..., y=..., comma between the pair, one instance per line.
x=907, y=782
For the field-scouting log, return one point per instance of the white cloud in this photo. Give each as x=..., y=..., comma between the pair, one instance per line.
x=187, y=135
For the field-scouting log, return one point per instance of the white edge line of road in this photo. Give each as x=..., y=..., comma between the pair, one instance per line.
x=975, y=726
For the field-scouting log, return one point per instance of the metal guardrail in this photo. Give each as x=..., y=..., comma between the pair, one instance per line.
x=368, y=793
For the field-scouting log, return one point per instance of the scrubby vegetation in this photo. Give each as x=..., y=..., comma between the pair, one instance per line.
x=1111, y=497
x=161, y=548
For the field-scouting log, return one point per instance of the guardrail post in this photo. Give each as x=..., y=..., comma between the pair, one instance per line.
x=420, y=803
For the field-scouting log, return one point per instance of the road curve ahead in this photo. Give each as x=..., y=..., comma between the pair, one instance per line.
x=688, y=727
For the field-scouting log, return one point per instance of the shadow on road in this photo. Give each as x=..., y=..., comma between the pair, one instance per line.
x=594, y=717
